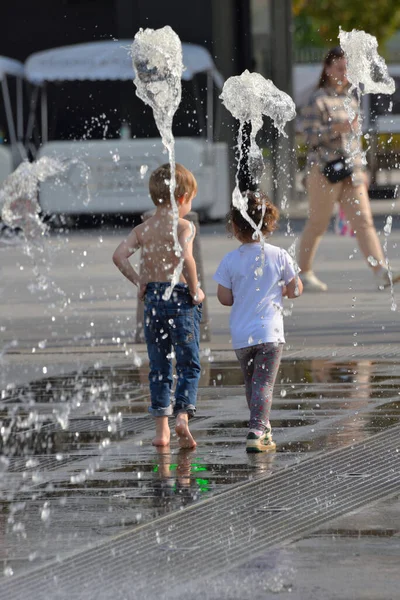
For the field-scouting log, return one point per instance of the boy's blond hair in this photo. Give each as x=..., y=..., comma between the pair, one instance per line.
x=186, y=184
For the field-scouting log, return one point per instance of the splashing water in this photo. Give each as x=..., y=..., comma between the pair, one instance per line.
x=21, y=210
x=364, y=65
x=367, y=73
x=387, y=231
x=249, y=97
x=19, y=192
x=19, y=196
x=157, y=60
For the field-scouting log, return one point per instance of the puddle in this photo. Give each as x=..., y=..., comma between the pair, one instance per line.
x=91, y=494
x=130, y=383
x=310, y=389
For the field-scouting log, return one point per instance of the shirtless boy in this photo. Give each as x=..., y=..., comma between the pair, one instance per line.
x=171, y=320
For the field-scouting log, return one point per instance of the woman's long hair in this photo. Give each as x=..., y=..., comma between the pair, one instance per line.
x=332, y=55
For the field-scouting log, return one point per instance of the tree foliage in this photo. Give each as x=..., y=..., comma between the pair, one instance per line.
x=380, y=18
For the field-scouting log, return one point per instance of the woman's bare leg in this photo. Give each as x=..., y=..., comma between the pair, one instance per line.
x=322, y=196
x=357, y=208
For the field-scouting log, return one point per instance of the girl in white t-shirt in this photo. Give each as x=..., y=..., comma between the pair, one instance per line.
x=254, y=291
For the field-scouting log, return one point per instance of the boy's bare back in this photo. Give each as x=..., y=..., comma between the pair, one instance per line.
x=158, y=259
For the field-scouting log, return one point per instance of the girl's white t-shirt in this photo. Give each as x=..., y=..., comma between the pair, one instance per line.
x=257, y=312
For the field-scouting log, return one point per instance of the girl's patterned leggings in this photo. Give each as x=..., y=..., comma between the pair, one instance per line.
x=260, y=366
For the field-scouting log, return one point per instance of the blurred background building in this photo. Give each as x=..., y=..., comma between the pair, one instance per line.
x=284, y=40
x=240, y=34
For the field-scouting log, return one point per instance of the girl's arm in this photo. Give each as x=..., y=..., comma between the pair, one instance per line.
x=224, y=295
x=293, y=289
x=122, y=254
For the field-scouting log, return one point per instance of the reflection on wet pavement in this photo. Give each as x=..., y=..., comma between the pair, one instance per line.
x=78, y=465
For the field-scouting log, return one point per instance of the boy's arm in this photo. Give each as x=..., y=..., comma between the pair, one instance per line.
x=186, y=238
x=122, y=254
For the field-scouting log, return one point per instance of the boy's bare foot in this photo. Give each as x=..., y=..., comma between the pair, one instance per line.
x=160, y=441
x=185, y=438
x=162, y=432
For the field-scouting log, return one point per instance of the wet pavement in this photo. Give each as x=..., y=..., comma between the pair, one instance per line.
x=78, y=466
x=100, y=314
x=355, y=557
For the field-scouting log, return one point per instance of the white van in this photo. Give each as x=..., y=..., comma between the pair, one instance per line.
x=111, y=175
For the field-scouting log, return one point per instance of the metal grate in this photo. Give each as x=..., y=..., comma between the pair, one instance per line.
x=216, y=534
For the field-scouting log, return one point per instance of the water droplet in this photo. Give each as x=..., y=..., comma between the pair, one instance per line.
x=45, y=512
x=388, y=226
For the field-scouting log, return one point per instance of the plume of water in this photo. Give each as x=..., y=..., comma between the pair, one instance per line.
x=249, y=97
x=366, y=70
x=367, y=73
x=157, y=61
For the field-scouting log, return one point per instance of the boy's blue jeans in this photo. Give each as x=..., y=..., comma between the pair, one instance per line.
x=169, y=325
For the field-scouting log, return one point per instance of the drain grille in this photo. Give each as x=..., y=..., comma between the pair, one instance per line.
x=215, y=535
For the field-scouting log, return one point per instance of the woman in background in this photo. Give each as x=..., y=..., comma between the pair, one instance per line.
x=331, y=177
